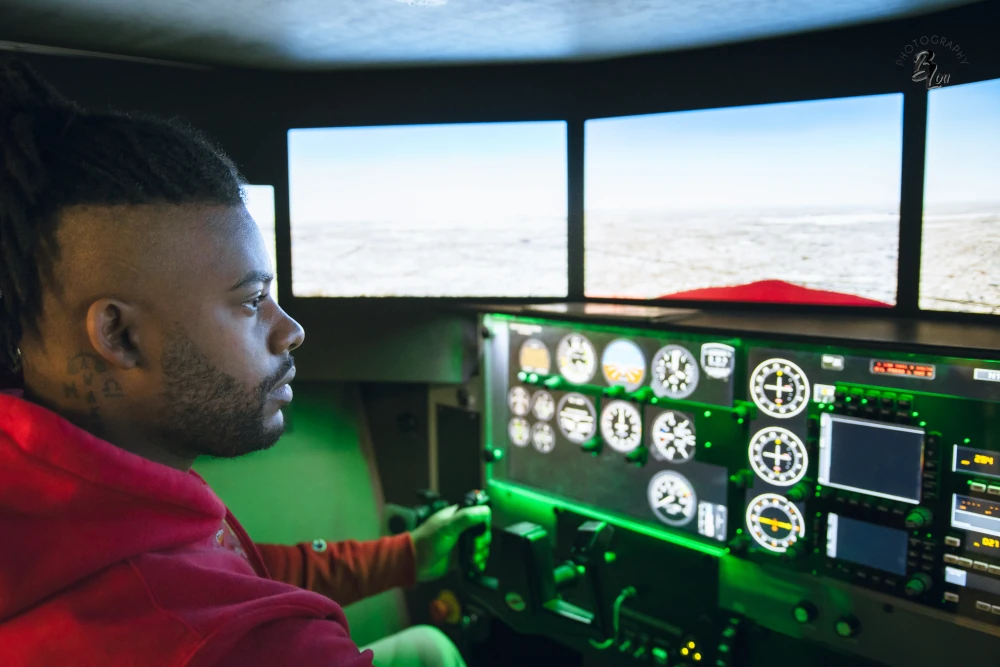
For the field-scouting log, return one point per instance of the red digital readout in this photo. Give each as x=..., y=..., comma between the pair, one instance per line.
x=881, y=367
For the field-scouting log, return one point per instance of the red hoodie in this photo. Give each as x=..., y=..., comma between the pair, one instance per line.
x=108, y=559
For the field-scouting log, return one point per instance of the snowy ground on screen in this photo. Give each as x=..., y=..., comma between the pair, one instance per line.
x=960, y=263
x=647, y=255
x=517, y=258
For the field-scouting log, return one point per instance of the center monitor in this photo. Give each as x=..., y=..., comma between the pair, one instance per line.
x=793, y=203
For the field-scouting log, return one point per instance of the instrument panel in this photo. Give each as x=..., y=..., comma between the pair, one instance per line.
x=871, y=469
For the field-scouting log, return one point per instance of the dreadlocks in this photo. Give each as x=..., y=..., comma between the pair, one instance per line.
x=54, y=154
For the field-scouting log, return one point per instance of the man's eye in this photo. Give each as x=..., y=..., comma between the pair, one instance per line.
x=256, y=301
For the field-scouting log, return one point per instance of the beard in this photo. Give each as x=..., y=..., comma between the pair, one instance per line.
x=211, y=413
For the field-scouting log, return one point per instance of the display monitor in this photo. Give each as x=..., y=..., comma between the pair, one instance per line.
x=793, y=203
x=871, y=457
x=259, y=201
x=866, y=543
x=960, y=244
x=460, y=210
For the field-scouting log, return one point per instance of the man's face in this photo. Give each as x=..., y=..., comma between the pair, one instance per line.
x=212, y=349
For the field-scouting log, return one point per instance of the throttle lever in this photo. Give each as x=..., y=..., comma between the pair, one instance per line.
x=467, y=541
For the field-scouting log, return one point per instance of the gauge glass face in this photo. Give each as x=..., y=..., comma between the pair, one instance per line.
x=778, y=456
x=623, y=364
x=534, y=357
x=674, y=372
x=621, y=426
x=519, y=432
x=577, y=418
x=519, y=401
x=673, y=437
x=543, y=406
x=779, y=388
x=672, y=498
x=576, y=358
x=543, y=437
x=775, y=523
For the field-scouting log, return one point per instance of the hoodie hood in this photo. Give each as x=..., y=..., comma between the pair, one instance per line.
x=72, y=504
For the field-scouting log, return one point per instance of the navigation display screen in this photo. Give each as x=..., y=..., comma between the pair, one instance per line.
x=866, y=544
x=871, y=457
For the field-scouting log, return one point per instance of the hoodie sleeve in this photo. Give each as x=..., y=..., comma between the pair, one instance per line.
x=344, y=571
x=296, y=641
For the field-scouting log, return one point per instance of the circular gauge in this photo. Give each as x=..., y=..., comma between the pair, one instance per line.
x=672, y=498
x=778, y=456
x=543, y=437
x=543, y=405
x=673, y=437
x=621, y=426
x=519, y=432
x=534, y=357
x=779, y=388
x=519, y=401
x=774, y=522
x=675, y=372
x=623, y=364
x=577, y=418
x=576, y=358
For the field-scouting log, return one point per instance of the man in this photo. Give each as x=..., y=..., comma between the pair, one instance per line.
x=134, y=298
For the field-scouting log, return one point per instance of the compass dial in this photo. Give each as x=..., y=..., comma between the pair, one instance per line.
x=774, y=522
x=543, y=437
x=623, y=364
x=675, y=372
x=778, y=456
x=673, y=437
x=534, y=357
x=519, y=401
x=519, y=432
x=621, y=426
x=576, y=358
x=672, y=498
x=543, y=405
x=779, y=388
x=577, y=418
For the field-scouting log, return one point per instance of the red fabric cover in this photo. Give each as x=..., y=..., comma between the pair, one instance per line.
x=108, y=559
x=775, y=291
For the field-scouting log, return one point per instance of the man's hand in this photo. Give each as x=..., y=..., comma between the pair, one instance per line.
x=434, y=540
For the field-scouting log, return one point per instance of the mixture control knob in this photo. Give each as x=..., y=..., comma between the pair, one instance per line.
x=592, y=446
x=800, y=492
x=918, y=518
x=805, y=612
x=918, y=584
x=742, y=478
x=643, y=394
x=614, y=392
x=847, y=626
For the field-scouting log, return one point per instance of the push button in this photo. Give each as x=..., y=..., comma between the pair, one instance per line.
x=951, y=597
x=951, y=558
x=953, y=542
x=977, y=487
x=981, y=566
x=984, y=606
x=993, y=490
x=995, y=570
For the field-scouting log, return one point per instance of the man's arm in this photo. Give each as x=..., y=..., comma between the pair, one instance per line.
x=344, y=571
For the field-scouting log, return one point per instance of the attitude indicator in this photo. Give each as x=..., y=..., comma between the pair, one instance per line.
x=673, y=437
x=675, y=372
x=672, y=498
x=623, y=364
x=775, y=523
x=577, y=418
x=621, y=426
x=779, y=388
x=778, y=456
x=576, y=358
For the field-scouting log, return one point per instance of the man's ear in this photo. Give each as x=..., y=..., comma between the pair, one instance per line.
x=113, y=328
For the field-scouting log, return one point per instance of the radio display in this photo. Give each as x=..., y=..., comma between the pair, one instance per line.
x=866, y=544
x=883, y=367
x=884, y=460
x=981, y=516
x=983, y=544
x=976, y=461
